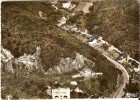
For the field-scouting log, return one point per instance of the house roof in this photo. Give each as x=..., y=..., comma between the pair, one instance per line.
x=84, y=6
x=82, y=30
x=66, y=5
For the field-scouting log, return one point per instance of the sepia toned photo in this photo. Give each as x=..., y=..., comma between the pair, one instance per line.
x=70, y=49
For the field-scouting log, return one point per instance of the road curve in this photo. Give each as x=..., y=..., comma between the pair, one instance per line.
x=119, y=93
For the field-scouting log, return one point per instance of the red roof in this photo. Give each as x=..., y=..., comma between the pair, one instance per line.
x=82, y=30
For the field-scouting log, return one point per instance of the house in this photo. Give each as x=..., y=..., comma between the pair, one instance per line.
x=62, y=21
x=61, y=93
x=78, y=90
x=76, y=76
x=73, y=83
x=49, y=90
x=74, y=29
x=78, y=93
x=110, y=47
x=42, y=15
x=96, y=74
x=68, y=5
x=93, y=43
x=84, y=7
x=83, y=31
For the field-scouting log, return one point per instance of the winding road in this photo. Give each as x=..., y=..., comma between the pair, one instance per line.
x=119, y=93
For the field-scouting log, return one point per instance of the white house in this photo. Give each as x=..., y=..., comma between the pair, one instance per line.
x=83, y=31
x=76, y=76
x=62, y=21
x=61, y=93
x=110, y=47
x=78, y=90
x=42, y=15
x=93, y=43
x=96, y=74
x=49, y=90
x=68, y=5
x=73, y=83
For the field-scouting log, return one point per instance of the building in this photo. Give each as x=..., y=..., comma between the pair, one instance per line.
x=93, y=43
x=42, y=15
x=61, y=93
x=73, y=83
x=49, y=90
x=84, y=7
x=110, y=47
x=68, y=5
x=62, y=21
x=78, y=90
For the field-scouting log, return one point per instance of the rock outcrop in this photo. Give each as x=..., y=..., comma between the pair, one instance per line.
x=68, y=64
x=29, y=63
x=26, y=62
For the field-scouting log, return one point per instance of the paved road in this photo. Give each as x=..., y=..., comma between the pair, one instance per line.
x=119, y=93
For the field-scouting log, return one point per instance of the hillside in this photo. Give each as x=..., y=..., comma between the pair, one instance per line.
x=23, y=30
x=118, y=22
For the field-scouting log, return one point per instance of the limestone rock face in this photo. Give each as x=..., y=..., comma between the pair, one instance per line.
x=6, y=55
x=26, y=62
x=69, y=64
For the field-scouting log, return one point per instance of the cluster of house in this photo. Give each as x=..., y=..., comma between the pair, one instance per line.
x=60, y=92
x=120, y=57
x=72, y=28
x=82, y=7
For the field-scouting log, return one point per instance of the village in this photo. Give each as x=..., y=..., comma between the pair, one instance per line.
x=73, y=77
x=96, y=42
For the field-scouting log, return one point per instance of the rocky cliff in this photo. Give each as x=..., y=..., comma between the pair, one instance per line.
x=32, y=62
x=26, y=62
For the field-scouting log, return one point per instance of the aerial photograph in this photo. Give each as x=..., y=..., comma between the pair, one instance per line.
x=70, y=49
